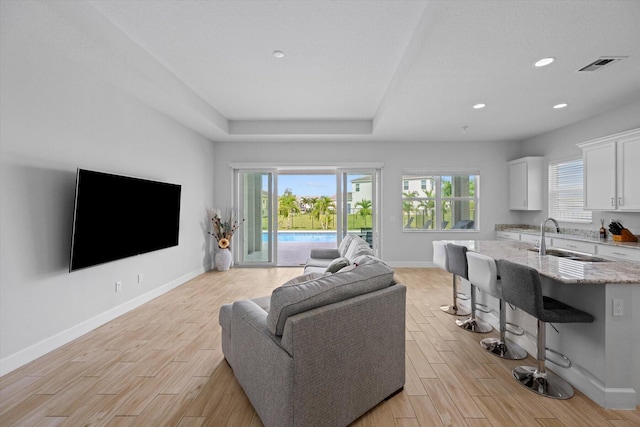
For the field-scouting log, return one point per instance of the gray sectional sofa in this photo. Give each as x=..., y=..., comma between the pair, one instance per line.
x=322, y=349
x=331, y=260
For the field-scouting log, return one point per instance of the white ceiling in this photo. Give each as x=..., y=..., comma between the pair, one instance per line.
x=354, y=70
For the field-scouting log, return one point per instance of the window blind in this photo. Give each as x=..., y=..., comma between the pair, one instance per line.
x=566, y=192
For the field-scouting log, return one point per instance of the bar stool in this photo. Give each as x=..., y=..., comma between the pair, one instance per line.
x=473, y=324
x=483, y=273
x=440, y=260
x=456, y=264
x=521, y=287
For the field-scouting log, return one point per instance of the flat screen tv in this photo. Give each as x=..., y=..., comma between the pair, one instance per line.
x=118, y=216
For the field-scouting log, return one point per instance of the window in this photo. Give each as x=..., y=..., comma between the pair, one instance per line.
x=440, y=201
x=357, y=187
x=566, y=192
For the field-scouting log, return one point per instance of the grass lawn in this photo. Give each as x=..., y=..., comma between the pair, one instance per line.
x=306, y=222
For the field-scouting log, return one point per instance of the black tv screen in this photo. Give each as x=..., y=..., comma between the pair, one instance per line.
x=119, y=216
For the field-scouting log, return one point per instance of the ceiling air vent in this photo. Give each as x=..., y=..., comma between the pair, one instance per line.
x=602, y=62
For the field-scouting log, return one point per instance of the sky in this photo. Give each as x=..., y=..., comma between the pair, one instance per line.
x=308, y=185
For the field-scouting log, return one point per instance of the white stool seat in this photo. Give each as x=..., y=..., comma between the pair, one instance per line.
x=479, y=279
x=483, y=273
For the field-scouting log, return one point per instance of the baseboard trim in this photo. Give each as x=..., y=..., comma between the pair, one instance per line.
x=607, y=397
x=31, y=353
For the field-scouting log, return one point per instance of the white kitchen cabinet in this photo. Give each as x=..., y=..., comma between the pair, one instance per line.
x=535, y=239
x=507, y=235
x=525, y=183
x=629, y=172
x=620, y=253
x=572, y=245
x=612, y=172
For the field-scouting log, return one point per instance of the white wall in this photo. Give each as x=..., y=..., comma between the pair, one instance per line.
x=399, y=248
x=55, y=117
x=561, y=144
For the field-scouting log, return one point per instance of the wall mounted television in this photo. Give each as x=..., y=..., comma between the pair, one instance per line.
x=118, y=216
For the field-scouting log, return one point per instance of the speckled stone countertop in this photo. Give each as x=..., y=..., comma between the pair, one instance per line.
x=568, y=234
x=560, y=269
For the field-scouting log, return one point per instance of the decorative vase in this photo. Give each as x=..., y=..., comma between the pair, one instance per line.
x=223, y=259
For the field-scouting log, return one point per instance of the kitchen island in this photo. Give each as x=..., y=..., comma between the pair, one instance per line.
x=605, y=354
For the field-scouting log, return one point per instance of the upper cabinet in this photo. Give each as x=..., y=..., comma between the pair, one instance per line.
x=525, y=184
x=612, y=172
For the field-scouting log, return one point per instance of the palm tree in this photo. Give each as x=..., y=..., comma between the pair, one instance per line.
x=446, y=188
x=429, y=205
x=288, y=205
x=365, y=209
x=309, y=203
x=322, y=210
x=407, y=206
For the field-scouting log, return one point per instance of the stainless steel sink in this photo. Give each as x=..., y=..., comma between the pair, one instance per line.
x=574, y=256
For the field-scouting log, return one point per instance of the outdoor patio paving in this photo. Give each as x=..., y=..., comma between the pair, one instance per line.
x=295, y=254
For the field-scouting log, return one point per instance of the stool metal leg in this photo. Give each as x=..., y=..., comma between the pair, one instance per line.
x=455, y=309
x=502, y=347
x=537, y=379
x=473, y=324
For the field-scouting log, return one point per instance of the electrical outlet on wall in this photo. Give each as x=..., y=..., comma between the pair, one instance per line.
x=140, y=278
x=118, y=286
x=618, y=307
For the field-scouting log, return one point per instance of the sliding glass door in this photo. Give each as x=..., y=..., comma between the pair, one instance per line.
x=358, y=207
x=256, y=202
x=312, y=208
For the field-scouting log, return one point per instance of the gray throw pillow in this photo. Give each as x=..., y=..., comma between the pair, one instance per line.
x=346, y=269
x=367, y=259
x=337, y=264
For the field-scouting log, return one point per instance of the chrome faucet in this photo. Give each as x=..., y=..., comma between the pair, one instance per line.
x=543, y=246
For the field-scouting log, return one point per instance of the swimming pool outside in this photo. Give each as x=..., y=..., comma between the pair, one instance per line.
x=294, y=247
x=304, y=236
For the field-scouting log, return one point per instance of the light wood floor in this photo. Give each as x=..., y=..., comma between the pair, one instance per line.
x=162, y=364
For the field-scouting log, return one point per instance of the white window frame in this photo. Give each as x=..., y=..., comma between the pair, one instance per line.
x=438, y=198
x=566, y=199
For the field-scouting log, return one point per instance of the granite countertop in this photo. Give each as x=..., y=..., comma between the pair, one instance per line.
x=568, y=234
x=560, y=269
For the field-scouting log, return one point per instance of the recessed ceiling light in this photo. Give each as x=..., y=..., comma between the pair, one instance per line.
x=278, y=54
x=544, y=61
x=479, y=106
x=559, y=106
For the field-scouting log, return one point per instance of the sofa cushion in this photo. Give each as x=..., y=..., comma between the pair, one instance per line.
x=303, y=278
x=291, y=300
x=262, y=302
x=344, y=245
x=325, y=253
x=224, y=316
x=337, y=264
x=318, y=262
x=356, y=248
x=315, y=269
